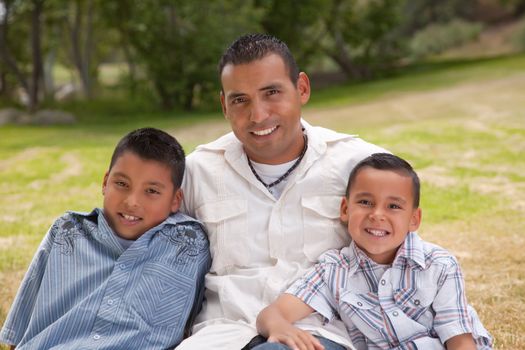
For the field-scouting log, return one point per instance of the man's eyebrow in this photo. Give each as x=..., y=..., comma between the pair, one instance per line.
x=233, y=95
x=273, y=86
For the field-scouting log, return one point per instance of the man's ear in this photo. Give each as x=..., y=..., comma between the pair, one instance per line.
x=344, y=210
x=177, y=200
x=105, y=182
x=415, y=220
x=223, y=104
x=303, y=86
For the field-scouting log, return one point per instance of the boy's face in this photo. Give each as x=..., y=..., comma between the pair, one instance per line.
x=138, y=195
x=379, y=212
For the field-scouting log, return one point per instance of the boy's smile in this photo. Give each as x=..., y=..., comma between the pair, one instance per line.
x=138, y=195
x=379, y=212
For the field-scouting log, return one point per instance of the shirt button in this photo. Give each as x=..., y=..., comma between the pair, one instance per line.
x=96, y=337
x=359, y=303
x=110, y=301
x=383, y=282
x=417, y=302
x=395, y=313
x=122, y=266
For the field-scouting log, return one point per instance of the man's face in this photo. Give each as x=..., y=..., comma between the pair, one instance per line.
x=264, y=108
x=379, y=212
x=138, y=195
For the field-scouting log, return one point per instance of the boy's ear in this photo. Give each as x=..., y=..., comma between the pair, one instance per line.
x=344, y=210
x=177, y=200
x=415, y=220
x=105, y=182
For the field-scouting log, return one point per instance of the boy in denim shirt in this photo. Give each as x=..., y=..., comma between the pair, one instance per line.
x=129, y=276
x=391, y=289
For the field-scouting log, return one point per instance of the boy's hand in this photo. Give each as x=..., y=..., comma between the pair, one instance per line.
x=294, y=337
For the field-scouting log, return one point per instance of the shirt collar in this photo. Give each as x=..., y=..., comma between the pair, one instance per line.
x=105, y=231
x=412, y=249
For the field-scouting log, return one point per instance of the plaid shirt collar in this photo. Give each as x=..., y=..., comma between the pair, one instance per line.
x=411, y=250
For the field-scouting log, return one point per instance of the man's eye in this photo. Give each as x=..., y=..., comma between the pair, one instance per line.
x=238, y=100
x=273, y=92
x=152, y=191
x=121, y=184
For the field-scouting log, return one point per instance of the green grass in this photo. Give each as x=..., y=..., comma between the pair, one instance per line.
x=461, y=124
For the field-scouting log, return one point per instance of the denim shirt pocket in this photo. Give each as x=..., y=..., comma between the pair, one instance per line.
x=226, y=223
x=322, y=227
x=163, y=297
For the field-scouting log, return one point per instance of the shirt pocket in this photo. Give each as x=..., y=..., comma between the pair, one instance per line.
x=322, y=227
x=163, y=297
x=415, y=303
x=226, y=223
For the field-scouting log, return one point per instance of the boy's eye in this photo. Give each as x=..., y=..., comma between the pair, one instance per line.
x=364, y=202
x=394, y=206
x=152, y=191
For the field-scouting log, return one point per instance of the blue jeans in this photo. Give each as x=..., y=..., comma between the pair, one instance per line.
x=328, y=345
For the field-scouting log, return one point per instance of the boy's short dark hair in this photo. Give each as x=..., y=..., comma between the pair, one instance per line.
x=252, y=47
x=387, y=161
x=154, y=144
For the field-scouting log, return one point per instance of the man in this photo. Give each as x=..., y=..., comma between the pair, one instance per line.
x=268, y=193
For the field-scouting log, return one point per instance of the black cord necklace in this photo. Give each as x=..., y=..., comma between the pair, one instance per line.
x=288, y=172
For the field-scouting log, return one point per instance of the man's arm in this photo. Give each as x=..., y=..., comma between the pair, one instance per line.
x=463, y=341
x=276, y=323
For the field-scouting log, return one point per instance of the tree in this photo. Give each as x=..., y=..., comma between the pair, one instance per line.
x=30, y=81
x=178, y=43
x=362, y=36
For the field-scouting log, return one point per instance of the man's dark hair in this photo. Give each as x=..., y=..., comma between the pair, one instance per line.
x=154, y=144
x=252, y=47
x=387, y=161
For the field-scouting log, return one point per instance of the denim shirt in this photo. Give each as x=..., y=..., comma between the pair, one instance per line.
x=83, y=290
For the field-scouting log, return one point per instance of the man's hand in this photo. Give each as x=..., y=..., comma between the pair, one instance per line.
x=294, y=337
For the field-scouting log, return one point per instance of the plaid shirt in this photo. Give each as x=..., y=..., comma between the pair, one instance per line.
x=417, y=303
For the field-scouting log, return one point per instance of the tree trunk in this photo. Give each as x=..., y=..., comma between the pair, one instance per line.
x=36, y=77
x=81, y=58
x=6, y=56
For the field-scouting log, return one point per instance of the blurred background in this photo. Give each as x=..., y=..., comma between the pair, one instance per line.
x=162, y=55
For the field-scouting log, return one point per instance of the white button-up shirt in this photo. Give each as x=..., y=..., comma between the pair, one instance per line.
x=261, y=244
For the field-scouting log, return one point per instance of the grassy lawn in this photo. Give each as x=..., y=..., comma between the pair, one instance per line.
x=461, y=124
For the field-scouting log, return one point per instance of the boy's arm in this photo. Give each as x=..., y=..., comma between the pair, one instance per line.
x=463, y=341
x=275, y=323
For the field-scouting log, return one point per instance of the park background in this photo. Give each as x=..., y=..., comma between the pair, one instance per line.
x=439, y=82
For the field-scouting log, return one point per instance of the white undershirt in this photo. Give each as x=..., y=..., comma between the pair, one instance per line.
x=270, y=173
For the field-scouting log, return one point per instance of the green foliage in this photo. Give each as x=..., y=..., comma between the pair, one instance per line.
x=178, y=43
x=436, y=38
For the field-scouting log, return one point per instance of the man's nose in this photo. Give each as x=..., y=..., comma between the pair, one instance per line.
x=259, y=111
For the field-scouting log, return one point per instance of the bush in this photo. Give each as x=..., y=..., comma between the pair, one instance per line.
x=437, y=38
